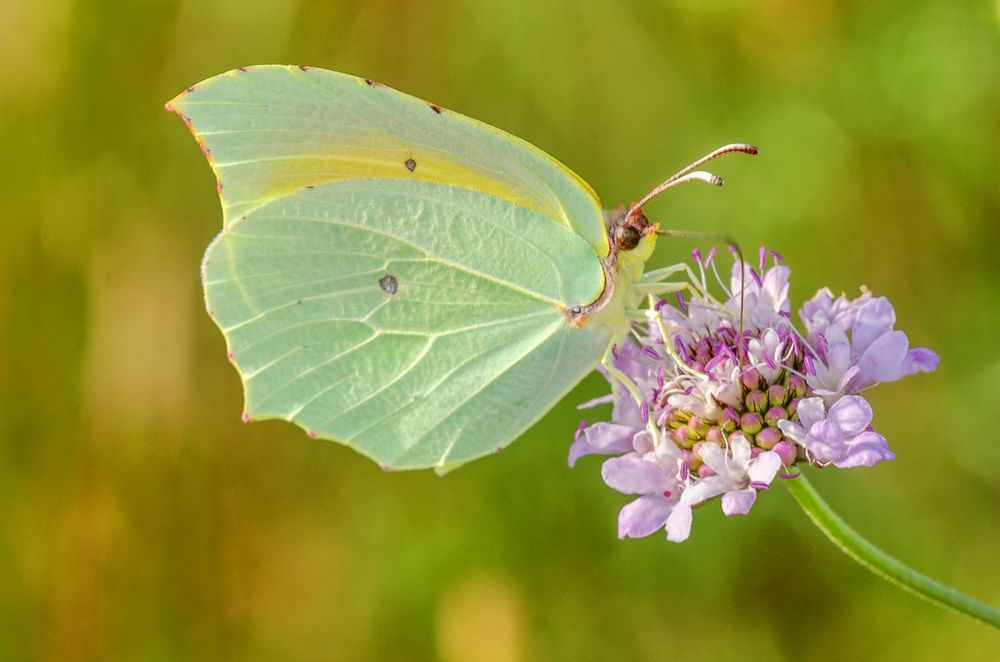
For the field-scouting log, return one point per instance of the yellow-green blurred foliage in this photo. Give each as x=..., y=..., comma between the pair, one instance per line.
x=142, y=520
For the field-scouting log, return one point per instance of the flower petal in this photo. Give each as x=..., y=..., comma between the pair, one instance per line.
x=851, y=414
x=875, y=319
x=764, y=467
x=811, y=411
x=865, y=450
x=739, y=502
x=882, y=360
x=679, y=523
x=916, y=360
x=602, y=439
x=644, y=516
x=631, y=474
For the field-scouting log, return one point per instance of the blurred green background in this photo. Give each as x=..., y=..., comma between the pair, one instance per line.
x=141, y=520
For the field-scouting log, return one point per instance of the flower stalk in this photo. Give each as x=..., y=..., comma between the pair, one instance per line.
x=887, y=567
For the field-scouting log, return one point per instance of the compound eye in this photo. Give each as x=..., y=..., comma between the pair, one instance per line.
x=627, y=237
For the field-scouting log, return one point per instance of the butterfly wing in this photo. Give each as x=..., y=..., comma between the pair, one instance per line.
x=392, y=275
x=420, y=323
x=270, y=130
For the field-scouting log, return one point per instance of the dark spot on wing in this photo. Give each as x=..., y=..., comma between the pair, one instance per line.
x=374, y=83
x=436, y=108
x=410, y=164
x=310, y=186
x=388, y=284
x=303, y=67
x=242, y=68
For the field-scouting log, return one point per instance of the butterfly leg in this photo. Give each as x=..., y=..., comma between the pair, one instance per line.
x=657, y=275
x=619, y=376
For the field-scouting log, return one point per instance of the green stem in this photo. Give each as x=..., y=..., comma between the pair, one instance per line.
x=873, y=558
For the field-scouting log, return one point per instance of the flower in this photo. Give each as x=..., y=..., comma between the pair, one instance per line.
x=842, y=437
x=712, y=398
x=872, y=353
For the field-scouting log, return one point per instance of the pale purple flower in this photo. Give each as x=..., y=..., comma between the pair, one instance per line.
x=842, y=436
x=736, y=475
x=654, y=473
x=873, y=353
x=719, y=413
x=602, y=439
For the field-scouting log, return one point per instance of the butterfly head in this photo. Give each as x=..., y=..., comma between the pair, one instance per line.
x=628, y=229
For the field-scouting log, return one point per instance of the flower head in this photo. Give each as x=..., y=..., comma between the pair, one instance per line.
x=711, y=398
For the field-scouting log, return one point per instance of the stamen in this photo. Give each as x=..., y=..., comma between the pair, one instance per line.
x=714, y=361
x=682, y=349
x=644, y=412
x=649, y=351
x=756, y=277
x=790, y=476
x=762, y=259
x=770, y=361
x=579, y=429
x=681, y=303
x=758, y=485
x=684, y=470
x=711, y=253
x=597, y=402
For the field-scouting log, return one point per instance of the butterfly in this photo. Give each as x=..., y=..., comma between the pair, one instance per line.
x=400, y=278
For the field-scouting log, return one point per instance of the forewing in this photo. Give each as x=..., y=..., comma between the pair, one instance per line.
x=422, y=324
x=270, y=130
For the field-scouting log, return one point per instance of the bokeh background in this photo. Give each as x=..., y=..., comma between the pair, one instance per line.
x=141, y=520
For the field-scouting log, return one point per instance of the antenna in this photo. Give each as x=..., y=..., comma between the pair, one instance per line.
x=689, y=173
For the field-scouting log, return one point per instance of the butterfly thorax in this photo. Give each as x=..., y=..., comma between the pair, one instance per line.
x=632, y=240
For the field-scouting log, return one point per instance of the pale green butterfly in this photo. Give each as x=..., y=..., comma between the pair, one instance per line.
x=400, y=278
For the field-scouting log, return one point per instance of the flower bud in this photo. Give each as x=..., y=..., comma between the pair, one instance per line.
x=693, y=460
x=682, y=437
x=793, y=407
x=715, y=436
x=797, y=386
x=698, y=426
x=786, y=451
x=750, y=378
x=776, y=395
x=775, y=414
x=728, y=420
x=768, y=437
x=750, y=422
x=705, y=471
x=756, y=401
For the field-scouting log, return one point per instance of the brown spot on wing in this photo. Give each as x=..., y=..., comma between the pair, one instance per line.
x=410, y=164
x=436, y=108
x=389, y=284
